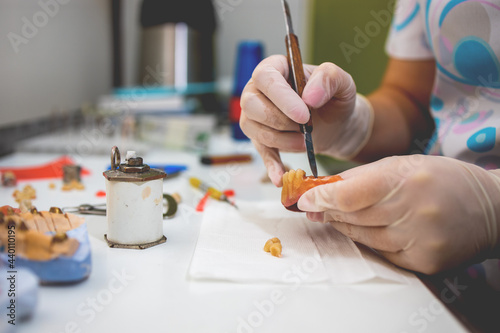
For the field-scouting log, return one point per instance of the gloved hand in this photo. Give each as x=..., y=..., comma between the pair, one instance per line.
x=272, y=110
x=424, y=213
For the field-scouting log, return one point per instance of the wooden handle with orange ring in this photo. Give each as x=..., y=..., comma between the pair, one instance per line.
x=225, y=159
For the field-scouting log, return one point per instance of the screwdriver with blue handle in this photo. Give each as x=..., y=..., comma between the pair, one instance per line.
x=212, y=192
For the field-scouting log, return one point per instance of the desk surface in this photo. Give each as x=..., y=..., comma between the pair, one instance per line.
x=148, y=290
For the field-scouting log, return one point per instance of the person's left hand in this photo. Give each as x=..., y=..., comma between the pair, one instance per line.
x=424, y=213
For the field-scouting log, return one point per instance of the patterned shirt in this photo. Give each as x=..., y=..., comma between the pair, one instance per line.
x=462, y=37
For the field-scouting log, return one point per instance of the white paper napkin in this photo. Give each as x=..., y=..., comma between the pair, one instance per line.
x=348, y=263
x=230, y=247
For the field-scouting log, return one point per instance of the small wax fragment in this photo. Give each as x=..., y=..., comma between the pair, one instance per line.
x=276, y=249
x=273, y=245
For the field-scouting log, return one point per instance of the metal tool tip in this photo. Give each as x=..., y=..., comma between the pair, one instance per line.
x=288, y=16
x=286, y=8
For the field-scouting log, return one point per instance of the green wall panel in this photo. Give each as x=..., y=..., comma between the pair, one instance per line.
x=352, y=34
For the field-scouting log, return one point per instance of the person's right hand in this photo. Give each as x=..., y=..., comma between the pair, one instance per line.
x=272, y=110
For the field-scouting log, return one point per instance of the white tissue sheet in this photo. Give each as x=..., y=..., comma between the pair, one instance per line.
x=230, y=248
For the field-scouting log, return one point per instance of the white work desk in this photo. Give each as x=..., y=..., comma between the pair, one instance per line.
x=149, y=291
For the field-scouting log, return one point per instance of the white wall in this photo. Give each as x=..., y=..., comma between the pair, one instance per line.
x=237, y=20
x=259, y=20
x=63, y=63
x=67, y=61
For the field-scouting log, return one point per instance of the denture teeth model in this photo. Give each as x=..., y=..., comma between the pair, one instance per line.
x=53, y=244
x=296, y=183
x=31, y=238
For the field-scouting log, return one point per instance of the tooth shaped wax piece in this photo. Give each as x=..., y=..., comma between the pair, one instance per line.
x=296, y=183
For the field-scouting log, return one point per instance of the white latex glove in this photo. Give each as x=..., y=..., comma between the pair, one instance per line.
x=424, y=213
x=272, y=110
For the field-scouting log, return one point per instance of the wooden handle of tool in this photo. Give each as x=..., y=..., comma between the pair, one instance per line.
x=296, y=69
x=295, y=63
x=226, y=159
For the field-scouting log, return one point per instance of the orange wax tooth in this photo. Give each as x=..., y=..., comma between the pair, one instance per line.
x=296, y=183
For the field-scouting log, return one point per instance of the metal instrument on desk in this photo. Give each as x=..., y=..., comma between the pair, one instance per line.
x=170, y=205
x=87, y=209
x=299, y=82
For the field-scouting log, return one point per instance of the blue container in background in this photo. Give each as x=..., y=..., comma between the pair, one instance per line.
x=249, y=55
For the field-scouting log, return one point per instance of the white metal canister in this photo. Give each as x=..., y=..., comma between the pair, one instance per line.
x=134, y=203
